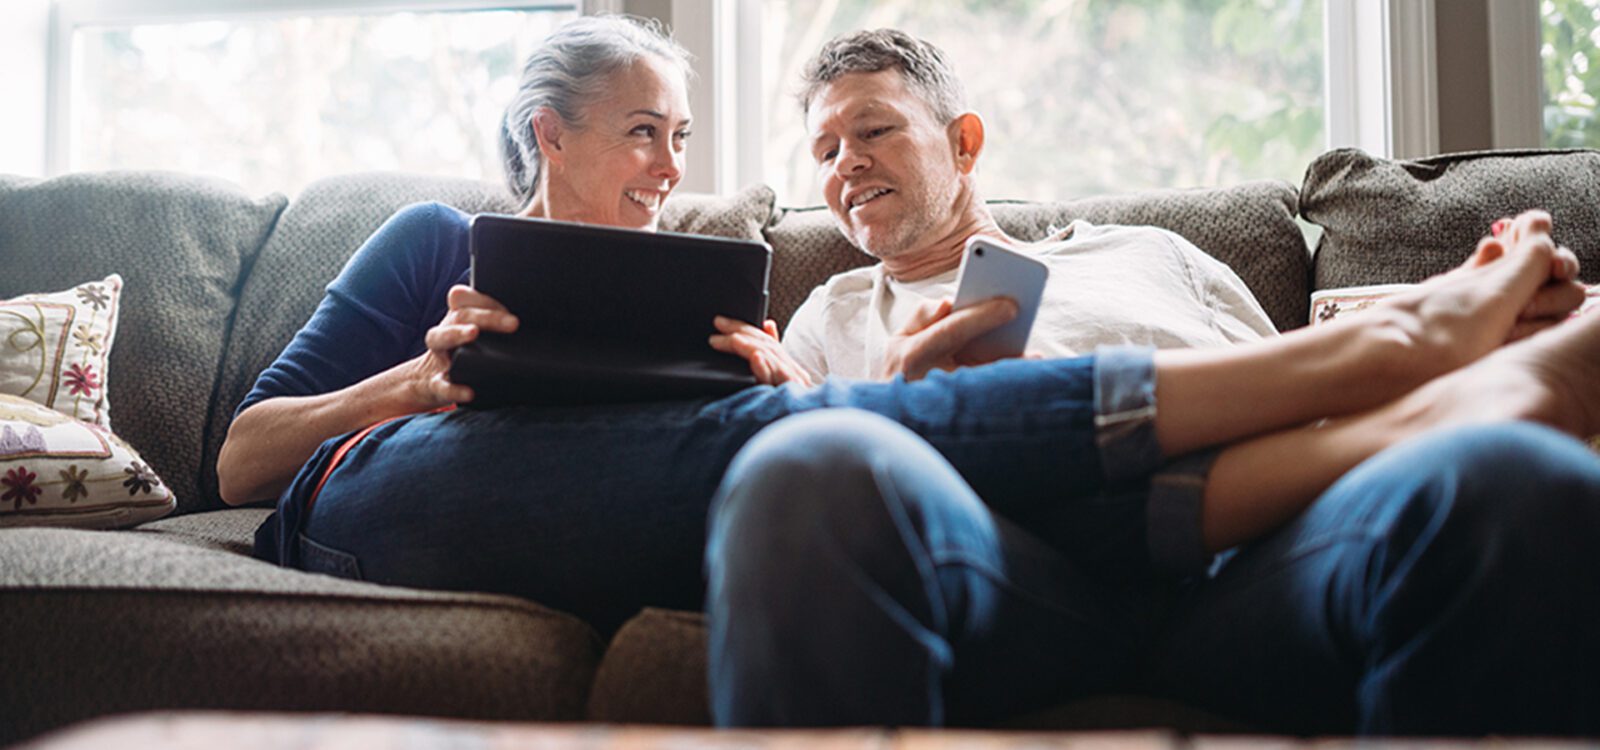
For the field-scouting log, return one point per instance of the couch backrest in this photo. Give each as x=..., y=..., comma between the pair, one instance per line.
x=217, y=283
x=1389, y=221
x=1251, y=227
x=180, y=243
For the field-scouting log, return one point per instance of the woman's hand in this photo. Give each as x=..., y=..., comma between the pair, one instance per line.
x=769, y=362
x=471, y=312
x=935, y=338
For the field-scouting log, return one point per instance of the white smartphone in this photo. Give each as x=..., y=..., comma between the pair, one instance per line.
x=988, y=270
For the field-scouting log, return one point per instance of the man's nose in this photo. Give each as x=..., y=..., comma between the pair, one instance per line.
x=851, y=160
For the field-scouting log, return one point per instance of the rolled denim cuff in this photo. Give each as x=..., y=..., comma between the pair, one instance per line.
x=1172, y=515
x=1125, y=412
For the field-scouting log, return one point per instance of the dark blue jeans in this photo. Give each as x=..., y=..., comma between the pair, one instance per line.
x=602, y=510
x=1448, y=586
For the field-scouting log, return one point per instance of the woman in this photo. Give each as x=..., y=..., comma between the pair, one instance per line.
x=601, y=510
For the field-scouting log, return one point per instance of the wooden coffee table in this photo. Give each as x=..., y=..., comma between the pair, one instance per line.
x=236, y=731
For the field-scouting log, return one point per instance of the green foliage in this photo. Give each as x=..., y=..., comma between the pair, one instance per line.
x=1093, y=96
x=1571, y=59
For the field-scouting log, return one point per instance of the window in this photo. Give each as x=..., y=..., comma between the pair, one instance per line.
x=1569, y=54
x=1087, y=98
x=275, y=102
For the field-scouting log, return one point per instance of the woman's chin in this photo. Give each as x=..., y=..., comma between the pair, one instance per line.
x=635, y=216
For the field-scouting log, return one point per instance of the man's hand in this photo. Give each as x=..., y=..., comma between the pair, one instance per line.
x=769, y=362
x=936, y=337
x=471, y=311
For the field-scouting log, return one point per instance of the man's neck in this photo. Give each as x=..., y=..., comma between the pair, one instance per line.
x=944, y=253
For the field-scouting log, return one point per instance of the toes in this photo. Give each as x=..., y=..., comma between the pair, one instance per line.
x=1489, y=250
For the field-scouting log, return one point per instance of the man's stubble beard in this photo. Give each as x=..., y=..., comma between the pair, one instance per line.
x=923, y=214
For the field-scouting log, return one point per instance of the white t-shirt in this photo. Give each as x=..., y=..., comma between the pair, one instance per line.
x=1108, y=285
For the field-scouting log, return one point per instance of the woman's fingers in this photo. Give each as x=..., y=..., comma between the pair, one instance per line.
x=446, y=391
x=462, y=296
x=446, y=336
x=498, y=321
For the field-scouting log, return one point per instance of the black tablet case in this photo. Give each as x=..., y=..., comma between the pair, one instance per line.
x=607, y=315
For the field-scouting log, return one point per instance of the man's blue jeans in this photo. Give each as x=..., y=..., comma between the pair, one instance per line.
x=601, y=510
x=1448, y=586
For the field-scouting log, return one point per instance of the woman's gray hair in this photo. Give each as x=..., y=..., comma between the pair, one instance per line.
x=922, y=64
x=566, y=73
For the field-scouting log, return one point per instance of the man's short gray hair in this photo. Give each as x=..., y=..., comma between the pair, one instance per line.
x=567, y=72
x=922, y=64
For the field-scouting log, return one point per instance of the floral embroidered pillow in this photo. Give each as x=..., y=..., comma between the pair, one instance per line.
x=1329, y=304
x=59, y=471
x=54, y=348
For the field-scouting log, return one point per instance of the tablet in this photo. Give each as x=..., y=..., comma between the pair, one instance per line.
x=607, y=314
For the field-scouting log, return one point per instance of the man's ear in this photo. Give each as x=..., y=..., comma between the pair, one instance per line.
x=966, y=134
x=548, y=130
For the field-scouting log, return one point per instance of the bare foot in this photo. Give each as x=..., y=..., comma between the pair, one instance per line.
x=1511, y=287
x=1552, y=378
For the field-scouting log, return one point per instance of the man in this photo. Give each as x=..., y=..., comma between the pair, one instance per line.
x=898, y=154
x=857, y=578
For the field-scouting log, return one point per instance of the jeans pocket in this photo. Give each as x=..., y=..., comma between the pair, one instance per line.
x=320, y=558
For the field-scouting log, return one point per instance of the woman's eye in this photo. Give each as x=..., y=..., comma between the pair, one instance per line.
x=875, y=132
x=828, y=155
x=683, y=135
x=648, y=131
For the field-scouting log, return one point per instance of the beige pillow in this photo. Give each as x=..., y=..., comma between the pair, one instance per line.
x=59, y=471
x=54, y=348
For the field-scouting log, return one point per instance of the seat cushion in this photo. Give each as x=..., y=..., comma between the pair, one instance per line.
x=1391, y=221
x=1251, y=227
x=654, y=672
x=179, y=243
x=174, y=615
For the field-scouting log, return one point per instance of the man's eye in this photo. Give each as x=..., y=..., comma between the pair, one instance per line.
x=828, y=155
x=875, y=132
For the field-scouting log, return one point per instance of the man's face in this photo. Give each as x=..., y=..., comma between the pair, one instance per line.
x=888, y=166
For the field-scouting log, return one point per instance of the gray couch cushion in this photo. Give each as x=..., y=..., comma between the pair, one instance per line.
x=1250, y=227
x=331, y=219
x=654, y=671
x=179, y=243
x=1401, y=221
x=171, y=616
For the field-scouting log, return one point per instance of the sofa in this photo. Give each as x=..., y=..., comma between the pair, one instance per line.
x=176, y=613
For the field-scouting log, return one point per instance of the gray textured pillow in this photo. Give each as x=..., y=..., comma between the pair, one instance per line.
x=330, y=220
x=1402, y=221
x=179, y=243
x=1250, y=227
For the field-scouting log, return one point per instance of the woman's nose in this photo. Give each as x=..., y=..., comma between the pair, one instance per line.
x=668, y=162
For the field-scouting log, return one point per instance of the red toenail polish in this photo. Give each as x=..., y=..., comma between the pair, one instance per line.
x=1499, y=226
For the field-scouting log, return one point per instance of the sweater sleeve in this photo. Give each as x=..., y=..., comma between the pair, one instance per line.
x=375, y=314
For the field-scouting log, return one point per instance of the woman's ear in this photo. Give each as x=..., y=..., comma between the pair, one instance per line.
x=966, y=132
x=548, y=130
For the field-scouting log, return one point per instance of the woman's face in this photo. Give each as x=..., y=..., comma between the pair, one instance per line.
x=619, y=163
